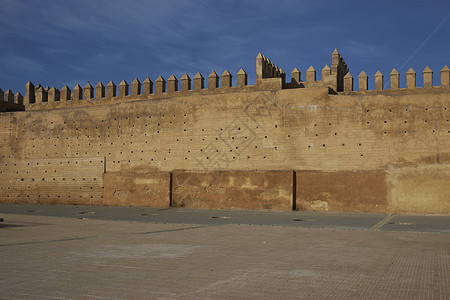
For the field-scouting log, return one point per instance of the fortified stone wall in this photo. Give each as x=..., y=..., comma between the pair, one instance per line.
x=11, y=102
x=309, y=145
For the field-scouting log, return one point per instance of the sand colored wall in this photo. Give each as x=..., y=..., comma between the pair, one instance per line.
x=94, y=147
x=303, y=129
x=364, y=191
x=151, y=189
x=420, y=189
x=53, y=181
x=234, y=189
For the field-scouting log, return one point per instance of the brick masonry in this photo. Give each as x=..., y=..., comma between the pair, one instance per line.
x=274, y=125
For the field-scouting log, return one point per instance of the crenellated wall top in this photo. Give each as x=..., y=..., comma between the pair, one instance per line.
x=269, y=76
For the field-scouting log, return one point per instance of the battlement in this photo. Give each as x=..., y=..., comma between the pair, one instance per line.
x=277, y=144
x=38, y=97
x=332, y=77
x=394, y=81
x=10, y=101
x=269, y=76
x=267, y=69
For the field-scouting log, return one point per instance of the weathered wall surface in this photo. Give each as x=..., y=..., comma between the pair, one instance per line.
x=53, y=181
x=234, y=189
x=305, y=129
x=301, y=129
x=421, y=189
x=351, y=151
x=363, y=191
x=151, y=189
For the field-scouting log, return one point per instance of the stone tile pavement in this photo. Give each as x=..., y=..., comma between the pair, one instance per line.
x=46, y=257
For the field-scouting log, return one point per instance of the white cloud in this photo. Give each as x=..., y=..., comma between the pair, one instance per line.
x=48, y=51
x=364, y=50
x=23, y=63
x=79, y=69
x=72, y=83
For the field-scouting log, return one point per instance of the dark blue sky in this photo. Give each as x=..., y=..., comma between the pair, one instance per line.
x=68, y=42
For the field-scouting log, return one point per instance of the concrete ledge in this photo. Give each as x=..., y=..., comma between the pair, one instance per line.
x=134, y=189
x=233, y=189
x=342, y=191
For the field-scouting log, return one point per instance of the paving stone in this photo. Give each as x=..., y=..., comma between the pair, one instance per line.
x=71, y=258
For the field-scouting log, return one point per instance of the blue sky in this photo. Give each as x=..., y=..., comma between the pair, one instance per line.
x=62, y=42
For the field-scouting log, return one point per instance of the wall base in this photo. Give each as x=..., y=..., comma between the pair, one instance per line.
x=233, y=189
x=421, y=189
x=151, y=189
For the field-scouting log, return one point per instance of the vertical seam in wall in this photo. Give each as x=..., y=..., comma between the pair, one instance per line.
x=387, y=181
x=170, y=188
x=437, y=141
x=103, y=181
x=294, y=190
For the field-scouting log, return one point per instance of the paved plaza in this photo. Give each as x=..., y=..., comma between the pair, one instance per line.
x=85, y=252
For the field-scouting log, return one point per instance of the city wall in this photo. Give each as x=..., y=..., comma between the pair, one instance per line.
x=306, y=145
